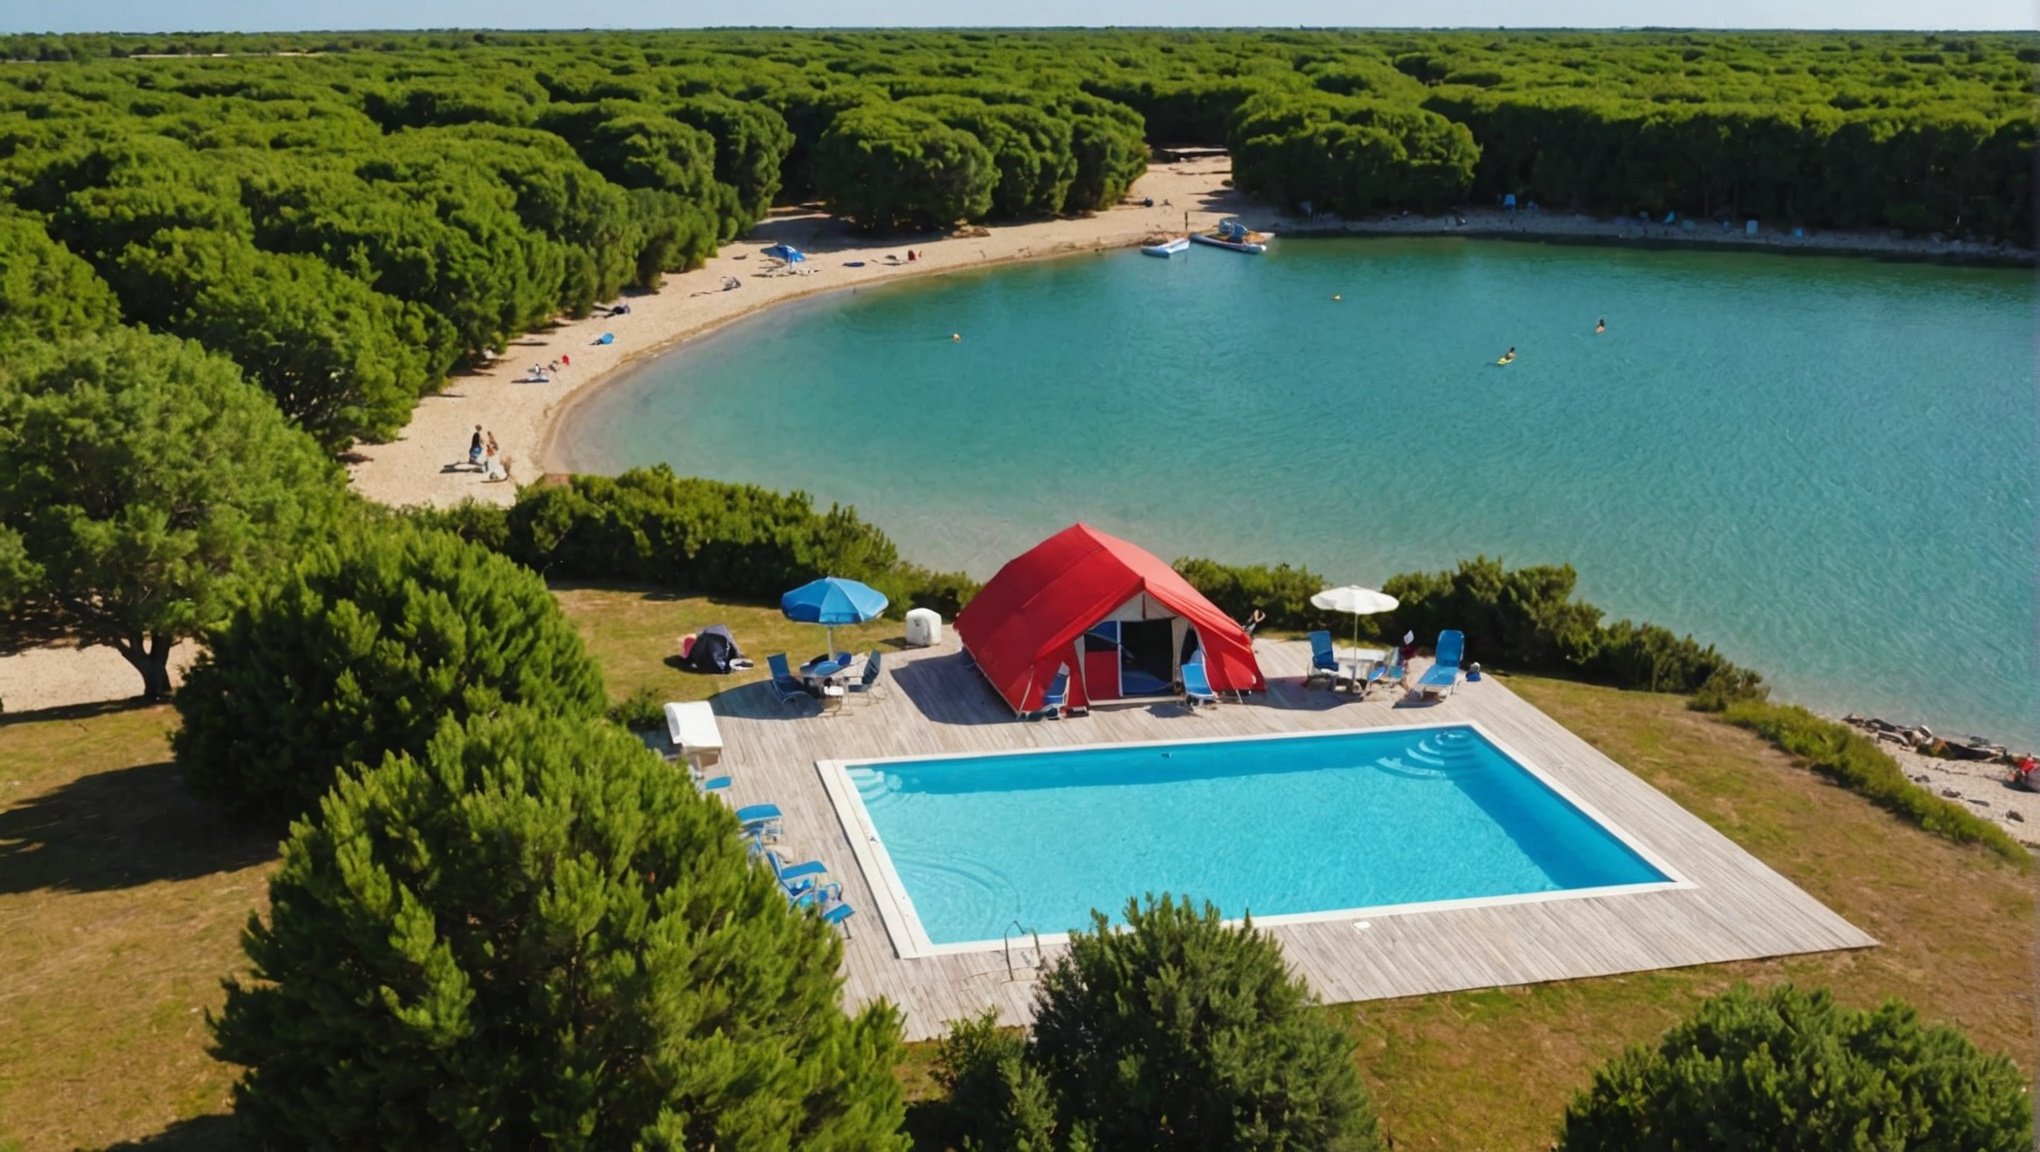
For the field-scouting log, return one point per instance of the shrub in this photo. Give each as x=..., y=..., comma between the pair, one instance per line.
x=1526, y=619
x=1858, y=764
x=1238, y=589
x=533, y=933
x=361, y=649
x=651, y=526
x=1789, y=1070
x=993, y=1100
x=1184, y=1025
x=471, y=520
x=642, y=711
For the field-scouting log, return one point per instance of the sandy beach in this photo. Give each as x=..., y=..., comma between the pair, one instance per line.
x=420, y=467
x=427, y=465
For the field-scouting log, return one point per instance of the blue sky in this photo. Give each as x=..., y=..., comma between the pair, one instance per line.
x=270, y=15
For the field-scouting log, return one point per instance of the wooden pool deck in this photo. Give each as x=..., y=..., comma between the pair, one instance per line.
x=1731, y=907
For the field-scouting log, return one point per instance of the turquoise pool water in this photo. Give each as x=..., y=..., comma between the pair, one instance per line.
x=1823, y=466
x=1275, y=827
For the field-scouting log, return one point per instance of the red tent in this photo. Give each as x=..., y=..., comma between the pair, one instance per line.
x=1106, y=610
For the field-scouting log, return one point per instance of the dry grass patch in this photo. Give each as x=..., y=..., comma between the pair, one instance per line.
x=1494, y=1069
x=121, y=905
x=634, y=635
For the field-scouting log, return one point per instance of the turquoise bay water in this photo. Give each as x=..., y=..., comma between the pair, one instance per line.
x=1361, y=820
x=1825, y=467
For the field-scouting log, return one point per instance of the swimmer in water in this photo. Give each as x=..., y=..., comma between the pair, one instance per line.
x=1507, y=356
x=1600, y=325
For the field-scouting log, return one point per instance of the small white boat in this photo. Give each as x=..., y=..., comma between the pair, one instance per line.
x=1167, y=248
x=1233, y=235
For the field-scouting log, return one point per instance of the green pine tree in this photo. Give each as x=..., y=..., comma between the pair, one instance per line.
x=1185, y=1033
x=142, y=482
x=537, y=934
x=361, y=649
x=1791, y=1071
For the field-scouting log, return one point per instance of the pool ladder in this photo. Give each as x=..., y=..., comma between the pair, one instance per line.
x=1007, y=939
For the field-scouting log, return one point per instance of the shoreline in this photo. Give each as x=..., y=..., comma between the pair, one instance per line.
x=1592, y=231
x=425, y=464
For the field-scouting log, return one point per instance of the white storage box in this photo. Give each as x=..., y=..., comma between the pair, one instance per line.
x=924, y=628
x=692, y=728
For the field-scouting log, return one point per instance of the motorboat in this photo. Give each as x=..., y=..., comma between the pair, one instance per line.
x=1167, y=248
x=1233, y=235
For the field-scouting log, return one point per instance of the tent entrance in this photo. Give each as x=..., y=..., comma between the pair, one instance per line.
x=1129, y=658
x=1147, y=657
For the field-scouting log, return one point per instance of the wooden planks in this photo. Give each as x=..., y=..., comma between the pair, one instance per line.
x=935, y=703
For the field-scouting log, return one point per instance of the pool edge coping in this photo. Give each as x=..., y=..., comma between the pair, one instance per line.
x=910, y=940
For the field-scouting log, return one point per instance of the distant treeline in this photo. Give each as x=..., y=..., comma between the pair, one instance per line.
x=352, y=217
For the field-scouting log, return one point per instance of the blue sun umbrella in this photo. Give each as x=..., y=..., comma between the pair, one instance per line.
x=830, y=601
x=786, y=252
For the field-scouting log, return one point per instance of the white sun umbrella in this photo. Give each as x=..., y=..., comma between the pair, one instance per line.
x=1355, y=601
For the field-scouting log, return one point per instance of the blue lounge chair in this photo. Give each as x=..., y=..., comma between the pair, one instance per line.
x=1055, y=699
x=1389, y=671
x=1324, y=663
x=802, y=882
x=836, y=915
x=761, y=821
x=784, y=681
x=868, y=683
x=705, y=784
x=1444, y=671
x=1197, y=685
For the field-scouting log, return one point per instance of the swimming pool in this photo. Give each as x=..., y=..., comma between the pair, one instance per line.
x=1312, y=826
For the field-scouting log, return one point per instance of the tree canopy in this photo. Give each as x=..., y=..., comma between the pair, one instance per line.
x=460, y=189
x=1791, y=1070
x=145, y=482
x=1180, y=1032
x=534, y=932
x=360, y=649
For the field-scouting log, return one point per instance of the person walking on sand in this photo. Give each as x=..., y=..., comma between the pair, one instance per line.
x=475, y=450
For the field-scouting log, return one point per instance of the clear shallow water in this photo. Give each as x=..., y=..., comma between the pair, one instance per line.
x=1272, y=827
x=1825, y=467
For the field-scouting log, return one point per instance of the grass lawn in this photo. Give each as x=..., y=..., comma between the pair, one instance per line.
x=121, y=905
x=121, y=901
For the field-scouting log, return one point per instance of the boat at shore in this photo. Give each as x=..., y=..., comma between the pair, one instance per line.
x=1166, y=248
x=1235, y=236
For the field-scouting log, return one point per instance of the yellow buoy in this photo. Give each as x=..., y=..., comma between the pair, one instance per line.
x=957, y=336
x=1335, y=296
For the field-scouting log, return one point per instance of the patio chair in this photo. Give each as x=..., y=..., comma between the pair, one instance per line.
x=868, y=684
x=1443, y=675
x=1055, y=699
x=834, y=912
x=1197, y=685
x=704, y=783
x=760, y=821
x=784, y=681
x=802, y=882
x=1324, y=663
x=1389, y=671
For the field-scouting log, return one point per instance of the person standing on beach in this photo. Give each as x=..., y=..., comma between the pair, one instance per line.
x=475, y=449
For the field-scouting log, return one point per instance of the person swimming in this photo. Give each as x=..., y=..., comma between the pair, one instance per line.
x=1507, y=356
x=1600, y=325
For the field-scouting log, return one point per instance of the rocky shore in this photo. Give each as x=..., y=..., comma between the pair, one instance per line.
x=1984, y=785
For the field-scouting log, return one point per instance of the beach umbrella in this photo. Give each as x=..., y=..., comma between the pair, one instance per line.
x=1355, y=601
x=830, y=601
x=786, y=252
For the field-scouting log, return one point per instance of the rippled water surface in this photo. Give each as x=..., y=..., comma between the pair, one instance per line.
x=1825, y=467
x=1272, y=827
